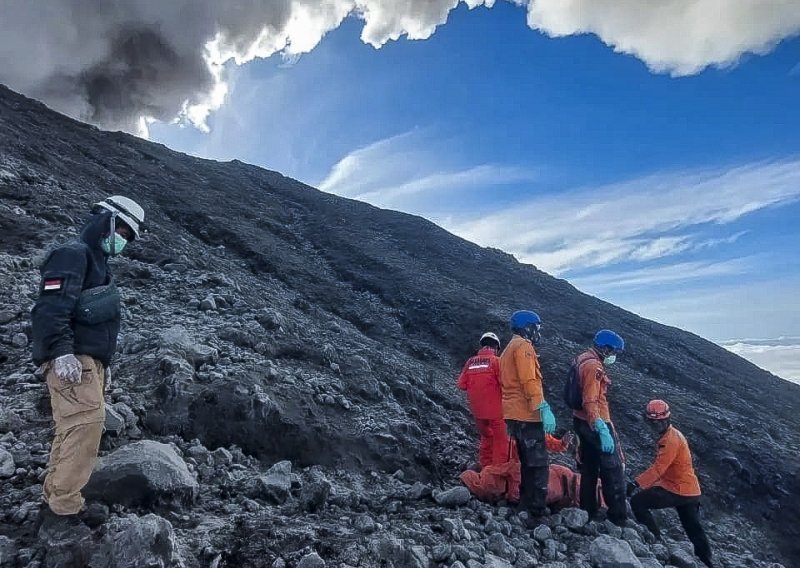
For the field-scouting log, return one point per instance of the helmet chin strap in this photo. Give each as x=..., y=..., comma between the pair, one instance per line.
x=111, y=238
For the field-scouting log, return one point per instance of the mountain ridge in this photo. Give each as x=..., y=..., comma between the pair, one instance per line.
x=394, y=302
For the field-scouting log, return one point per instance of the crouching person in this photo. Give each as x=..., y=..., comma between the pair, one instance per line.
x=670, y=482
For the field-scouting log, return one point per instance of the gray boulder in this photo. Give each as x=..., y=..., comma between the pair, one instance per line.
x=492, y=561
x=7, y=465
x=115, y=423
x=177, y=339
x=681, y=558
x=574, y=519
x=141, y=473
x=455, y=497
x=312, y=560
x=609, y=552
x=8, y=551
x=133, y=541
x=276, y=484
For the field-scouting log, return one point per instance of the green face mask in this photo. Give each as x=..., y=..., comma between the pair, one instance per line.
x=118, y=242
x=610, y=360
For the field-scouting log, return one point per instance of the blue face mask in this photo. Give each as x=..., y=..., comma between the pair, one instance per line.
x=115, y=239
x=610, y=360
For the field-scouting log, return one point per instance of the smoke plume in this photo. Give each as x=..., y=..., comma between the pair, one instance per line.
x=120, y=63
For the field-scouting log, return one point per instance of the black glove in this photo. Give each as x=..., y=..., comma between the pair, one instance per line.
x=632, y=488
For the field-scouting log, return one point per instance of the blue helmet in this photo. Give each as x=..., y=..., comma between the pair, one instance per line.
x=607, y=339
x=526, y=324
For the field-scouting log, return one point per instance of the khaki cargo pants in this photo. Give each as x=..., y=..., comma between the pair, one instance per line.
x=79, y=413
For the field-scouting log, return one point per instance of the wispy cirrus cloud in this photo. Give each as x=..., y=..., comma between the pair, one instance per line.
x=663, y=274
x=399, y=170
x=637, y=220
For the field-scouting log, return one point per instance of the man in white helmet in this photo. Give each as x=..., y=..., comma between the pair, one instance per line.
x=481, y=379
x=75, y=326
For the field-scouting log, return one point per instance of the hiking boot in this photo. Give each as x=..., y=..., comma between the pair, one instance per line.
x=50, y=522
x=94, y=515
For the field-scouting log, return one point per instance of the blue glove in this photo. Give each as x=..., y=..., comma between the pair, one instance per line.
x=548, y=419
x=606, y=439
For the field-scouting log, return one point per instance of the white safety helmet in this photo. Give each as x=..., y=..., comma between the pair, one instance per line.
x=491, y=336
x=127, y=210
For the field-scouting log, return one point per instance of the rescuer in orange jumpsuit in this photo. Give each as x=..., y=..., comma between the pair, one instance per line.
x=670, y=481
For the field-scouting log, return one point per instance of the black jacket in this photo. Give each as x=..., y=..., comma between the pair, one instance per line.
x=67, y=273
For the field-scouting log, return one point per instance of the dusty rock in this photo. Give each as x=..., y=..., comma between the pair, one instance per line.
x=312, y=560
x=132, y=542
x=610, y=552
x=682, y=558
x=454, y=497
x=115, y=423
x=574, y=519
x=8, y=552
x=141, y=473
x=7, y=465
x=276, y=484
x=177, y=339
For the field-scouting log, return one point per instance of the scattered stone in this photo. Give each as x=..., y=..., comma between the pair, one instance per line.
x=455, y=497
x=178, y=339
x=141, y=473
x=418, y=491
x=19, y=340
x=492, y=561
x=7, y=465
x=498, y=544
x=222, y=457
x=681, y=558
x=542, y=533
x=208, y=304
x=9, y=421
x=132, y=542
x=609, y=552
x=276, y=484
x=8, y=551
x=574, y=519
x=312, y=560
x=115, y=423
x=365, y=524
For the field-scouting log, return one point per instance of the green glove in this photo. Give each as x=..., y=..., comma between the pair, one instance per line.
x=606, y=439
x=548, y=419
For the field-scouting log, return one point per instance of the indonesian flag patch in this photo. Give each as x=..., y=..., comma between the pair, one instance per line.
x=52, y=284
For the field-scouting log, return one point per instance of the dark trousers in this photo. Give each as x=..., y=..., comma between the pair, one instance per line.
x=608, y=467
x=688, y=511
x=534, y=466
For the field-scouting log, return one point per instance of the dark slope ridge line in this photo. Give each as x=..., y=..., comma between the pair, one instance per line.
x=340, y=255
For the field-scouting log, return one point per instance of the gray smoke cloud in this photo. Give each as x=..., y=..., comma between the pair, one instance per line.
x=122, y=63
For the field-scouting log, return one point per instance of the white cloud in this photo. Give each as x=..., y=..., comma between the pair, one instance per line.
x=398, y=171
x=118, y=64
x=637, y=219
x=681, y=37
x=658, y=275
x=780, y=356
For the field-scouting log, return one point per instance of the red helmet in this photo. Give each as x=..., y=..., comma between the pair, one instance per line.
x=657, y=410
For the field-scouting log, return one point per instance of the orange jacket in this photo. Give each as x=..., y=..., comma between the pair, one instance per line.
x=594, y=384
x=481, y=379
x=673, y=469
x=521, y=378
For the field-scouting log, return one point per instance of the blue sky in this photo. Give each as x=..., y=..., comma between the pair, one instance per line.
x=674, y=196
